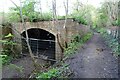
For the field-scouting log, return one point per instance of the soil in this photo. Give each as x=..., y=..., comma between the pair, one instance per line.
x=94, y=60
x=20, y=68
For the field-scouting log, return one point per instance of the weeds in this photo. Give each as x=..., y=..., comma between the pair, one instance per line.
x=53, y=73
x=111, y=42
x=6, y=54
x=78, y=41
x=64, y=71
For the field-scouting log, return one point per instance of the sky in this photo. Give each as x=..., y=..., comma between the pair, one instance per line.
x=6, y=4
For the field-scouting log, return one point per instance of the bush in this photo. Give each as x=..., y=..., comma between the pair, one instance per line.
x=86, y=37
x=101, y=30
x=13, y=17
x=7, y=53
x=112, y=43
x=5, y=58
x=80, y=20
x=76, y=42
x=53, y=73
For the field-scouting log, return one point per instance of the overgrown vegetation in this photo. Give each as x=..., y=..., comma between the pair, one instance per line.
x=57, y=72
x=7, y=53
x=63, y=70
x=31, y=15
x=80, y=19
x=106, y=22
x=28, y=11
x=111, y=41
x=77, y=42
x=104, y=17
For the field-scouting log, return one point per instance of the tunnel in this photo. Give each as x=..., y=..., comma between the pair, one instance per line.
x=41, y=42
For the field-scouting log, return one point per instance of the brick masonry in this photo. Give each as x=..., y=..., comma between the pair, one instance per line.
x=55, y=28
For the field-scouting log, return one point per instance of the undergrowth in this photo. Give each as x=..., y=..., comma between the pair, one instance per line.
x=111, y=42
x=77, y=42
x=53, y=73
x=63, y=70
x=6, y=54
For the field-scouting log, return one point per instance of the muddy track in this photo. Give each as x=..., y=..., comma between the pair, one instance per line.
x=95, y=60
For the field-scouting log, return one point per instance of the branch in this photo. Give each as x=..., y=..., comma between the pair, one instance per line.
x=15, y=4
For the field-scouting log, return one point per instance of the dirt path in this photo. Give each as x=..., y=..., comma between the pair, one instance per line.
x=94, y=61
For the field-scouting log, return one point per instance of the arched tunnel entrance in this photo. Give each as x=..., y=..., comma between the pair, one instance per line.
x=41, y=42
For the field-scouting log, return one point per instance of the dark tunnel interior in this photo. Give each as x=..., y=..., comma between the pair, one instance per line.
x=41, y=42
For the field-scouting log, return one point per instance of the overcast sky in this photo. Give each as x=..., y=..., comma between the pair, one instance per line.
x=6, y=4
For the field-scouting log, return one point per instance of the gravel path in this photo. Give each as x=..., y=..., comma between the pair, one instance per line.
x=95, y=60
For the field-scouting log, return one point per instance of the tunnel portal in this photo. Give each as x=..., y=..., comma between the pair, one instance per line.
x=41, y=42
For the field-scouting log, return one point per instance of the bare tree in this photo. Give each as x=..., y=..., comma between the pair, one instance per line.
x=54, y=9
x=66, y=16
x=37, y=66
x=40, y=7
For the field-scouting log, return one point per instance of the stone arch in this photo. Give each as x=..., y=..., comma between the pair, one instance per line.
x=46, y=29
x=41, y=41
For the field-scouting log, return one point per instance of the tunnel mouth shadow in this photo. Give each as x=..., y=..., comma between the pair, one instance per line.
x=41, y=42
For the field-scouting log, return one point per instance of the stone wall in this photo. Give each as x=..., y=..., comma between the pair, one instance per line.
x=57, y=27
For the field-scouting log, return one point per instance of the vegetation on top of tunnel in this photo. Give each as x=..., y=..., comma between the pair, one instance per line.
x=81, y=14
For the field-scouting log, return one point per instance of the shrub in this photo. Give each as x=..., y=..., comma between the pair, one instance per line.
x=76, y=42
x=112, y=43
x=7, y=53
x=52, y=73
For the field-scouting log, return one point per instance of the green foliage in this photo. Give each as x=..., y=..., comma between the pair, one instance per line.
x=6, y=53
x=86, y=37
x=5, y=58
x=29, y=13
x=118, y=21
x=60, y=17
x=13, y=17
x=101, y=30
x=112, y=43
x=9, y=35
x=46, y=16
x=115, y=23
x=79, y=18
x=72, y=47
x=53, y=73
x=77, y=42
